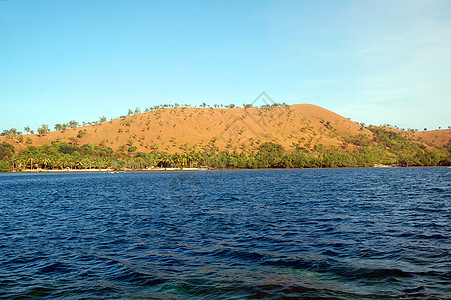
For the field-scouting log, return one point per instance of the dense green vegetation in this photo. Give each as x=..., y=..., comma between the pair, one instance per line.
x=385, y=147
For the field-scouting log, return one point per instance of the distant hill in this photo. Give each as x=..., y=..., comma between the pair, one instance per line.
x=302, y=135
x=179, y=129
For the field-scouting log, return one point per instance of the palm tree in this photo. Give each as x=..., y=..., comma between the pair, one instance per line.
x=59, y=164
x=44, y=161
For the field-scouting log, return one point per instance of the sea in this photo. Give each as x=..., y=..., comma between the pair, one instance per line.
x=369, y=233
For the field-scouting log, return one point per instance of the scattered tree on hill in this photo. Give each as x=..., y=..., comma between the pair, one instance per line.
x=11, y=133
x=81, y=133
x=73, y=124
x=43, y=129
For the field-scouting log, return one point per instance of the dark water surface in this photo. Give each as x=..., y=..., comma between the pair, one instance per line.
x=338, y=233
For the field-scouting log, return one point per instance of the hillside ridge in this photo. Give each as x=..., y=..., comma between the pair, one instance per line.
x=178, y=129
x=169, y=129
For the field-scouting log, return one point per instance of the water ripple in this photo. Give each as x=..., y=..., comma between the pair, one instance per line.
x=334, y=234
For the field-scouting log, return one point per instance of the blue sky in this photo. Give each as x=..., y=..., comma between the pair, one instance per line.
x=372, y=61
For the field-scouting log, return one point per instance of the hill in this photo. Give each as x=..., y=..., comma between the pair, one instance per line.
x=177, y=129
x=303, y=127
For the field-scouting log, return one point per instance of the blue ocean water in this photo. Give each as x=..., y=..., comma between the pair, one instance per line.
x=266, y=234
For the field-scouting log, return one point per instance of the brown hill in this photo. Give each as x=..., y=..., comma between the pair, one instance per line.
x=436, y=137
x=184, y=128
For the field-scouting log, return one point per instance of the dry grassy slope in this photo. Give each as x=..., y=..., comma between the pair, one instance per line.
x=232, y=129
x=437, y=137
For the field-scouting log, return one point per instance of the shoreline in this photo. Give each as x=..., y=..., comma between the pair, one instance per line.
x=111, y=171
x=106, y=170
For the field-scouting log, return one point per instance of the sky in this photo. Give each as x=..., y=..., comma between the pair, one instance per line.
x=376, y=62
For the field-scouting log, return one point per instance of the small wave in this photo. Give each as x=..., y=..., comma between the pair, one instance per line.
x=446, y=275
x=431, y=236
x=302, y=264
x=231, y=253
x=340, y=269
x=376, y=273
x=139, y=277
x=54, y=268
x=414, y=290
x=330, y=252
x=269, y=291
x=36, y=291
